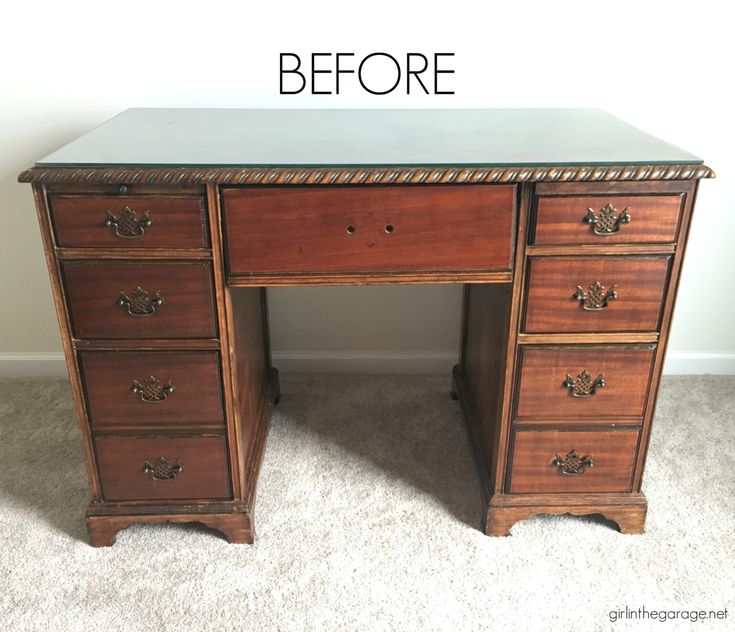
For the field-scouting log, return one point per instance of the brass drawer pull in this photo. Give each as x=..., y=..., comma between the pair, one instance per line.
x=139, y=302
x=572, y=464
x=596, y=298
x=608, y=222
x=152, y=391
x=162, y=469
x=127, y=225
x=583, y=385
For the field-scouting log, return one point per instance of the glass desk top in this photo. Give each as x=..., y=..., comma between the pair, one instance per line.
x=147, y=137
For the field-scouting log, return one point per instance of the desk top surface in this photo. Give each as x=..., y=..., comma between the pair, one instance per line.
x=145, y=137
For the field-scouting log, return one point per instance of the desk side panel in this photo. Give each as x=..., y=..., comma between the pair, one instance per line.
x=483, y=371
x=251, y=381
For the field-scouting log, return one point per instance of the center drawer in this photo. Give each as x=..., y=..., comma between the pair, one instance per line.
x=352, y=229
x=152, y=388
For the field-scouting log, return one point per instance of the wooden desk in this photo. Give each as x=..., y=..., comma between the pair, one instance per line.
x=163, y=229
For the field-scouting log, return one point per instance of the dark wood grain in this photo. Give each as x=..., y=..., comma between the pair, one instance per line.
x=612, y=452
x=279, y=230
x=640, y=283
x=79, y=221
x=541, y=390
x=559, y=219
x=196, y=399
x=121, y=461
x=93, y=289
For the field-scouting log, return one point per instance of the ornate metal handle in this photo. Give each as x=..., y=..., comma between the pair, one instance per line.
x=596, y=298
x=608, y=222
x=584, y=385
x=572, y=464
x=152, y=391
x=162, y=469
x=139, y=302
x=127, y=225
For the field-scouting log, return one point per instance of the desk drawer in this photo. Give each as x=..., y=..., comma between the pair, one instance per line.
x=144, y=388
x=162, y=468
x=561, y=461
x=566, y=382
x=606, y=219
x=127, y=222
x=120, y=300
x=595, y=294
x=352, y=229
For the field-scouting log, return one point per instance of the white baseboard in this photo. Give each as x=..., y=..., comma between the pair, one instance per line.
x=366, y=362
x=692, y=363
x=32, y=365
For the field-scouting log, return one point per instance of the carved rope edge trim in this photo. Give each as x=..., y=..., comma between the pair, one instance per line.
x=357, y=175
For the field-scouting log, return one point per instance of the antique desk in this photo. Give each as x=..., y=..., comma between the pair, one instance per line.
x=164, y=228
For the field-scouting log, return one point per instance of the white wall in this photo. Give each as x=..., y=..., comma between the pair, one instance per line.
x=663, y=66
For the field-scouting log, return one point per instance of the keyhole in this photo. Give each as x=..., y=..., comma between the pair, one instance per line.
x=351, y=230
x=389, y=228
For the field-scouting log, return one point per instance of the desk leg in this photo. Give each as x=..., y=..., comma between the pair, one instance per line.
x=627, y=511
x=235, y=525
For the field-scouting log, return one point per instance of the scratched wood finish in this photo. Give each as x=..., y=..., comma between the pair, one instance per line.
x=204, y=473
x=187, y=311
x=195, y=400
x=541, y=390
x=640, y=283
x=292, y=230
x=559, y=220
x=176, y=222
x=611, y=451
x=490, y=407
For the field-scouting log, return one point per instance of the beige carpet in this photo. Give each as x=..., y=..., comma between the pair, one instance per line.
x=367, y=517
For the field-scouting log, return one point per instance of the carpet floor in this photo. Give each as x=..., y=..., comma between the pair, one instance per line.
x=368, y=514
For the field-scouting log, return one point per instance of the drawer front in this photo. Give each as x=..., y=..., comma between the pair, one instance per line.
x=595, y=294
x=127, y=222
x=560, y=461
x=567, y=381
x=105, y=302
x=162, y=468
x=301, y=230
x=139, y=389
x=606, y=219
